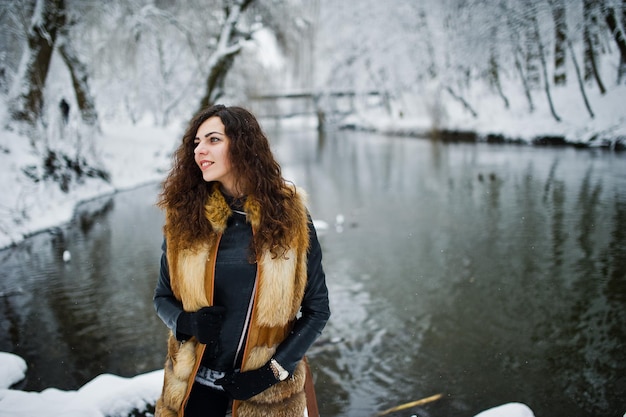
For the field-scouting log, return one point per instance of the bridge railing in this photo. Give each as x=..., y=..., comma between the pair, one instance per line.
x=326, y=106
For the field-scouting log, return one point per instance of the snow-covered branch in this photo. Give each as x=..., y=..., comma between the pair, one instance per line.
x=229, y=44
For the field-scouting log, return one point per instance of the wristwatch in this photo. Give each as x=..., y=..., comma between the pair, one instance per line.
x=279, y=372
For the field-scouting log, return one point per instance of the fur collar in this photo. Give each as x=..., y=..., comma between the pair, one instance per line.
x=217, y=211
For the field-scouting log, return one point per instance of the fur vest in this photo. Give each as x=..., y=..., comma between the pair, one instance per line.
x=279, y=292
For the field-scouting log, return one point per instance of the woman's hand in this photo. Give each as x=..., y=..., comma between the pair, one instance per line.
x=245, y=385
x=205, y=324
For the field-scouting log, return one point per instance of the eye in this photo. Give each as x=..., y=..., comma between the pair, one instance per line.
x=214, y=139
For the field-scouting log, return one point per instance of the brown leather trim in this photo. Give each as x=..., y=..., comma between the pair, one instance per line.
x=210, y=279
x=199, y=352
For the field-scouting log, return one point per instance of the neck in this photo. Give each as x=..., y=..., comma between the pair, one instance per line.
x=231, y=192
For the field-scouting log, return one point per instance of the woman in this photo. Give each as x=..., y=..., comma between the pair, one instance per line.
x=240, y=260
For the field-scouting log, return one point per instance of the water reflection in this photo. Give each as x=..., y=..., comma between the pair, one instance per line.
x=74, y=320
x=487, y=273
x=476, y=261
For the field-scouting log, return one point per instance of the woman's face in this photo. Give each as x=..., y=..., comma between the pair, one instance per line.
x=211, y=154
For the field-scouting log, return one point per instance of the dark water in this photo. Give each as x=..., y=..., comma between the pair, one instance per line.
x=490, y=274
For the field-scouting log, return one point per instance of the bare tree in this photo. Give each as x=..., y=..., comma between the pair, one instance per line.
x=518, y=58
x=178, y=59
x=66, y=156
x=579, y=76
x=48, y=32
x=229, y=44
x=26, y=101
x=591, y=43
x=617, y=25
x=532, y=53
x=80, y=78
x=560, y=41
x=544, y=66
x=494, y=69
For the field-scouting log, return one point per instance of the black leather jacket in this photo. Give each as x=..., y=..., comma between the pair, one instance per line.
x=234, y=280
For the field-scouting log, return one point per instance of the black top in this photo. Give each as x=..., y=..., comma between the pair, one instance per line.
x=234, y=283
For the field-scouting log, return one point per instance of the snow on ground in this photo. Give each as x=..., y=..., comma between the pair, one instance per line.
x=110, y=395
x=105, y=395
x=134, y=155
x=436, y=108
x=13, y=369
x=508, y=410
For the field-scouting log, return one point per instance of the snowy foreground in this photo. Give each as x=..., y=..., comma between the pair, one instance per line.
x=105, y=395
x=110, y=395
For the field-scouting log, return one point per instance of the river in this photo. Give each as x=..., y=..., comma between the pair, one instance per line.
x=487, y=273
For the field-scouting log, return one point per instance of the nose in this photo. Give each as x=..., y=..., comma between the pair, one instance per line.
x=199, y=149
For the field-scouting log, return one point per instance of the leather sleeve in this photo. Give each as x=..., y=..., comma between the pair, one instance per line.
x=315, y=310
x=167, y=307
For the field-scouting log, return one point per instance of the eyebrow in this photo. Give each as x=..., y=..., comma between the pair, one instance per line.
x=211, y=133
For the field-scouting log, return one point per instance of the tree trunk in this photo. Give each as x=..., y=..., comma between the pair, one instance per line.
x=222, y=59
x=532, y=59
x=587, y=28
x=520, y=71
x=616, y=29
x=494, y=69
x=517, y=54
x=560, y=38
x=581, y=84
x=618, y=34
x=26, y=101
x=591, y=61
x=546, y=79
x=80, y=82
x=621, y=70
x=215, y=81
x=461, y=100
x=591, y=43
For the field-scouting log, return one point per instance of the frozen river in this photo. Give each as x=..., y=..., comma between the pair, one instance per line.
x=488, y=273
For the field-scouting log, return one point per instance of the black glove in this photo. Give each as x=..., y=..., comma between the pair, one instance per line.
x=205, y=324
x=244, y=385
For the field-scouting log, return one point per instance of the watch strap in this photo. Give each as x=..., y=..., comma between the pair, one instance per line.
x=279, y=372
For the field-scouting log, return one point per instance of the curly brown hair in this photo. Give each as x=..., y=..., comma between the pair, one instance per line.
x=257, y=173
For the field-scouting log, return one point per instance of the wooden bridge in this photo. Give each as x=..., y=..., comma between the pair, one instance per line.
x=325, y=106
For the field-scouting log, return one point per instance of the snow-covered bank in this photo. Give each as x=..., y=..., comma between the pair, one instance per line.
x=109, y=395
x=133, y=155
x=437, y=110
x=138, y=154
x=106, y=395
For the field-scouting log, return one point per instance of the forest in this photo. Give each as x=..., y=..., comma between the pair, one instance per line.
x=537, y=71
